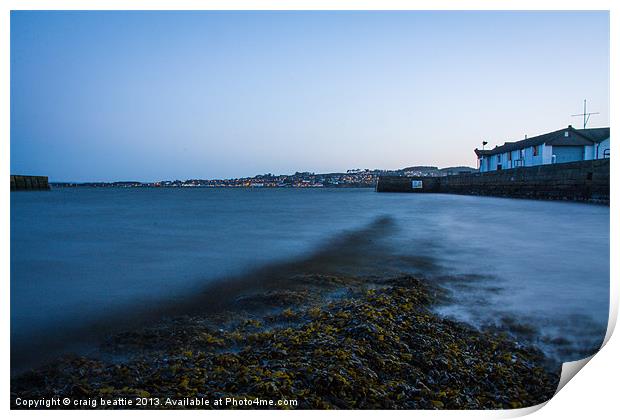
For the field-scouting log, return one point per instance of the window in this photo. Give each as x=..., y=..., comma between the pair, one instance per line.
x=536, y=150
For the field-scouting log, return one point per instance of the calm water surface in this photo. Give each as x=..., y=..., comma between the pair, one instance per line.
x=540, y=268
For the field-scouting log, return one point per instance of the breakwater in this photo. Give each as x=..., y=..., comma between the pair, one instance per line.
x=28, y=182
x=575, y=181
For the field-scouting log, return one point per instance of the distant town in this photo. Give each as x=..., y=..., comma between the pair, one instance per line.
x=352, y=178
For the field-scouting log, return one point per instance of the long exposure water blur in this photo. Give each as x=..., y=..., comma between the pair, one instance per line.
x=540, y=269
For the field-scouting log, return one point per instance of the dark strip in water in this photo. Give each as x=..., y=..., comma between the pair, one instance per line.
x=356, y=252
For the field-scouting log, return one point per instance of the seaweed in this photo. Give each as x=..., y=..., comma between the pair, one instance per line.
x=378, y=345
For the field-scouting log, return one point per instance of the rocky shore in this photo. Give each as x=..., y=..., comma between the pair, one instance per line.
x=323, y=342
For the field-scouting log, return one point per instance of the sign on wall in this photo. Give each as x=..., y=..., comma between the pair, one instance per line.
x=416, y=184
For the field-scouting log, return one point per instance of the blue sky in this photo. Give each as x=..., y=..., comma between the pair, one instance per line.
x=174, y=95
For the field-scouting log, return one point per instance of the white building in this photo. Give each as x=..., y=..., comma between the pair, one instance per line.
x=565, y=145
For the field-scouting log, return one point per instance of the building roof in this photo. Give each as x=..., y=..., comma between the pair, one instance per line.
x=574, y=137
x=597, y=135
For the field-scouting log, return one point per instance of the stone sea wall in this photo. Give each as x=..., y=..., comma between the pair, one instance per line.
x=576, y=181
x=27, y=182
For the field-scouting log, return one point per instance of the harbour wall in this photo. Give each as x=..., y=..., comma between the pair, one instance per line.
x=576, y=181
x=28, y=182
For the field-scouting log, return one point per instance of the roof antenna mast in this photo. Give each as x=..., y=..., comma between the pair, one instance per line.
x=585, y=115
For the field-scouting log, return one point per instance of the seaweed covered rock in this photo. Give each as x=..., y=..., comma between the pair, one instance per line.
x=376, y=346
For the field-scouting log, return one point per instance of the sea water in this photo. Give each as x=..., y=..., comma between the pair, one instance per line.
x=538, y=268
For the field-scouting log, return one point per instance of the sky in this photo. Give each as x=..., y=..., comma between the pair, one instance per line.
x=148, y=96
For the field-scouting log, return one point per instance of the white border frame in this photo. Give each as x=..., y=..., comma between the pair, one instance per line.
x=593, y=394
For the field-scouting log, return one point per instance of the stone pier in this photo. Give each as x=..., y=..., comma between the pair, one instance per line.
x=586, y=180
x=28, y=182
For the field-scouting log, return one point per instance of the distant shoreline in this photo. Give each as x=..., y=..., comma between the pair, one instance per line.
x=353, y=178
x=94, y=185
